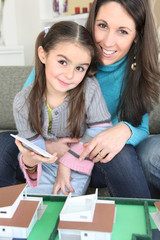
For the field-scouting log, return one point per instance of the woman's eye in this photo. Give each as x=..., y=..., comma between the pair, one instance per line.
x=62, y=62
x=102, y=25
x=123, y=32
x=81, y=69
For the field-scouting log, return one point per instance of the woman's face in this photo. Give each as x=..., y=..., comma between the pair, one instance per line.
x=115, y=31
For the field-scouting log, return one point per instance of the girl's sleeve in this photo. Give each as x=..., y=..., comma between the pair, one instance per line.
x=139, y=133
x=97, y=120
x=20, y=112
x=30, y=79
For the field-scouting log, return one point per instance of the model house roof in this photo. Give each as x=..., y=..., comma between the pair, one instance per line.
x=10, y=194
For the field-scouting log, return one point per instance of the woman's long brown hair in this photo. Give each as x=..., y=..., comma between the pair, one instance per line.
x=65, y=31
x=140, y=87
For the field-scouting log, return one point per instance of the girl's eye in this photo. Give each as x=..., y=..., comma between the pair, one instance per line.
x=80, y=69
x=62, y=62
x=123, y=32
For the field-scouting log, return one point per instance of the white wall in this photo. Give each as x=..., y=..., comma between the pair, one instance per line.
x=28, y=26
x=26, y=21
x=21, y=26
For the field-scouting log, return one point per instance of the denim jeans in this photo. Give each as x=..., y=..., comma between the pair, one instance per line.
x=123, y=175
x=9, y=165
x=79, y=181
x=149, y=155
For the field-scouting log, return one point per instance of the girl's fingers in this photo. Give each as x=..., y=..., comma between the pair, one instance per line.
x=63, y=190
x=56, y=188
x=19, y=144
x=45, y=159
x=21, y=147
x=35, y=156
x=70, y=140
x=70, y=188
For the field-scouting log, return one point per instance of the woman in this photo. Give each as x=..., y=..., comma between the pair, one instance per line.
x=128, y=76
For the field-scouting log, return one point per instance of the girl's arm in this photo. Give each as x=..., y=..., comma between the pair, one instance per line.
x=63, y=180
x=97, y=120
x=71, y=158
x=29, y=161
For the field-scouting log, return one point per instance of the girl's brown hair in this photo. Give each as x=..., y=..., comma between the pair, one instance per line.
x=64, y=31
x=141, y=87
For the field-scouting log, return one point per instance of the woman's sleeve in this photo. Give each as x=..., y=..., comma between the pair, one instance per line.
x=31, y=78
x=139, y=133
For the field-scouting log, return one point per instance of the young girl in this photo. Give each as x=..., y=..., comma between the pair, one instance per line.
x=62, y=102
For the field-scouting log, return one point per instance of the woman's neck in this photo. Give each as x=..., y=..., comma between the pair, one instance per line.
x=114, y=66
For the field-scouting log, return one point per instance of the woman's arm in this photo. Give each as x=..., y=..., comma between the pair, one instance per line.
x=139, y=133
x=111, y=141
x=107, y=144
x=31, y=78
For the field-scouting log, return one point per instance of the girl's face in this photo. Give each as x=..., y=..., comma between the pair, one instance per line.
x=115, y=31
x=65, y=66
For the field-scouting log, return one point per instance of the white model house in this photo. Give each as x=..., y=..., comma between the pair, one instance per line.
x=156, y=215
x=18, y=213
x=86, y=218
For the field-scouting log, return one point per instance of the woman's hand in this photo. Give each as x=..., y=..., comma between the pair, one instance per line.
x=63, y=180
x=107, y=144
x=30, y=158
x=61, y=146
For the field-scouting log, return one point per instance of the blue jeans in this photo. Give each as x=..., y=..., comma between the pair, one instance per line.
x=79, y=181
x=9, y=165
x=10, y=171
x=149, y=155
x=123, y=175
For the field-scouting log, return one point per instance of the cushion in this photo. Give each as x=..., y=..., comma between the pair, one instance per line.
x=154, y=120
x=12, y=79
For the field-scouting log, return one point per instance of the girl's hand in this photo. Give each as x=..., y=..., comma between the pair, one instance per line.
x=30, y=158
x=63, y=180
x=107, y=144
x=61, y=146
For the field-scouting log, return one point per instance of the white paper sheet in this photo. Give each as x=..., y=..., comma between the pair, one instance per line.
x=32, y=146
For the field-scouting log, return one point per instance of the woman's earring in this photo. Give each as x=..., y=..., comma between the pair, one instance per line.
x=133, y=66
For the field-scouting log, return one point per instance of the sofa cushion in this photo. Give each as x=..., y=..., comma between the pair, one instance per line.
x=12, y=79
x=154, y=120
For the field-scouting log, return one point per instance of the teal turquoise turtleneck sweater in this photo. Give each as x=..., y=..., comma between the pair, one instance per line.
x=110, y=79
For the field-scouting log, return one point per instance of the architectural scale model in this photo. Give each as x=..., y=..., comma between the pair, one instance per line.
x=156, y=215
x=18, y=212
x=86, y=218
